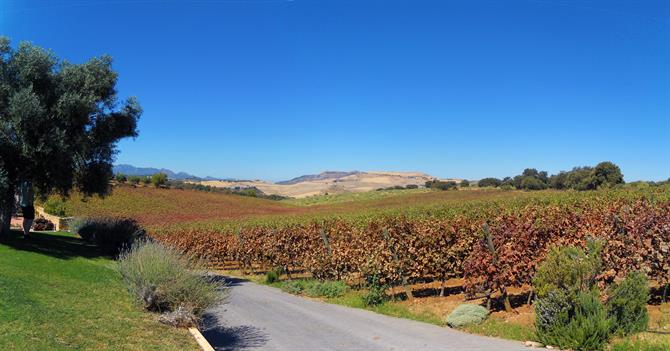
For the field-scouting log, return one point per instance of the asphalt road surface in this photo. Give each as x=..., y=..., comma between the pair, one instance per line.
x=263, y=318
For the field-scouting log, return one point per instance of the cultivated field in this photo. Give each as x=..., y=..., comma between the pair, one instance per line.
x=477, y=245
x=167, y=207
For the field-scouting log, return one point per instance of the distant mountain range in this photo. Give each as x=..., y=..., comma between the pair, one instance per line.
x=321, y=176
x=147, y=171
x=328, y=182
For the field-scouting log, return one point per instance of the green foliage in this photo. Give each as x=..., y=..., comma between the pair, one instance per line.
x=489, y=182
x=568, y=269
x=146, y=180
x=376, y=294
x=440, y=185
x=111, y=235
x=159, y=179
x=272, y=276
x=315, y=288
x=330, y=289
x=568, y=310
x=134, y=179
x=584, y=328
x=164, y=280
x=551, y=310
x=627, y=304
x=59, y=122
x=641, y=345
x=55, y=206
x=120, y=177
x=295, y=287
x=607, y=174
x=467, y=314
x=464, y=183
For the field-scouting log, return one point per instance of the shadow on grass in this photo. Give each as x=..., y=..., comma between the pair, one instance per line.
x=52, y=244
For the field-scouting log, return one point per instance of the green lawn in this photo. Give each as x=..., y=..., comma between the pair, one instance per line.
x=57, y=293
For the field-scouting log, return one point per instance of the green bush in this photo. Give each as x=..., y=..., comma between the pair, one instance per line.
x=327, y=288
x=121, y=178
x=134, y=179
x=627, y=304
x=56, y=207
x=293, y=286
x=583, y=327
x=568, y=310
x=375, y=296
x=467, y=314
x=552, y=309
x=166, y=281
x=272, y=276
x=111, y=235
x=159, y=179
x=569, y=269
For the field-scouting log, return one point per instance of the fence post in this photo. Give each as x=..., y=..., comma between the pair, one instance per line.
x=405, y=285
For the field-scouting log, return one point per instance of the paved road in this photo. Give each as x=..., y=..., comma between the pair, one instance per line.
x=263, y=318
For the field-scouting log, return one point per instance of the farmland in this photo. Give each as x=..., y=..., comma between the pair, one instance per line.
x=157, y=208
x=483, y=245
x=418, y=236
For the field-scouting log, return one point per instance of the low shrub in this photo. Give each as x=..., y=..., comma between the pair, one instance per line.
x=569, y=269
x=330, y=289
x=568, y=310
x=55, y=206
x=42, y=224
x=376, y=294
x=111, y=235
x=627, y=304
x=164, y=280
x=583, y=327
x=293, y=286
x=467, y=314
x=272, y=276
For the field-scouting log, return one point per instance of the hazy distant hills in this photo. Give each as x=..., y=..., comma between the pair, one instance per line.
x=146, y=171
x=321, y=176
x=331, y=182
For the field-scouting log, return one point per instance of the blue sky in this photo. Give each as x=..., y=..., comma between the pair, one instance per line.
x=275, y=89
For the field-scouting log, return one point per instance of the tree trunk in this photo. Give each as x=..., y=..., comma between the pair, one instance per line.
x=5, y=221
x=442, y=286
x=665, y=292
x=6, y=209
x=505, y=297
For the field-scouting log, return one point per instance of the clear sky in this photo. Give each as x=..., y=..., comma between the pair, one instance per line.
x=274, y=89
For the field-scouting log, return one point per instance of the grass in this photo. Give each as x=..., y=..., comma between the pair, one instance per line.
x=58, y=293
x=500, y=328
x=643, y=342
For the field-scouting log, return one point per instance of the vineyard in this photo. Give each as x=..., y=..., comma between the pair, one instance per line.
x=493, y=245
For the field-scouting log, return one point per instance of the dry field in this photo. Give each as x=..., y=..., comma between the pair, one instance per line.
x=360, y=182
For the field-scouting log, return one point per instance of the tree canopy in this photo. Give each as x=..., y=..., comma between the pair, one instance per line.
x=59, y=122
x=604, y=174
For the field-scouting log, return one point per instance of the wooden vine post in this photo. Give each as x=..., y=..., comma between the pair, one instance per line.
x=503, y=289
x=238, y=254
x=326, y=244
x=405, y=284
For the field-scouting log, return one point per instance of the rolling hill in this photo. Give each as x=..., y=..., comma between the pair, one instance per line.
x=331, y=182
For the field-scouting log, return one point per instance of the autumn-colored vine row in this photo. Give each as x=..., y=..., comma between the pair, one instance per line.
x=491, y=249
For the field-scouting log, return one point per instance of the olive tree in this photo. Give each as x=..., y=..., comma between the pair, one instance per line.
x=59, y=123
